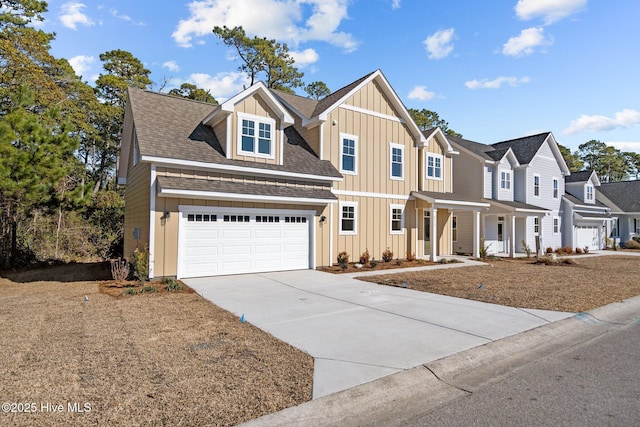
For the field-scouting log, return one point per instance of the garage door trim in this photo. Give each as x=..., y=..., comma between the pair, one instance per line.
x=183, y=210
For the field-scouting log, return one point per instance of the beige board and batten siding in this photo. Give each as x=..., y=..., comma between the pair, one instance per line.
x=137, y=196
x=255, y=106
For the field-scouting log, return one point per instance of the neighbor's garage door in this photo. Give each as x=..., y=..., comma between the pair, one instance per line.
x=217, y=243
x=587, y=237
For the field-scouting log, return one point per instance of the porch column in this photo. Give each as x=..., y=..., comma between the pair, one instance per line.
x=540, y=228
x=476, y=234
x=434, y=234
x=512, y=241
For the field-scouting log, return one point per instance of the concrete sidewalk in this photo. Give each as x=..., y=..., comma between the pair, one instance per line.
x=358, y=332
x=402, y=398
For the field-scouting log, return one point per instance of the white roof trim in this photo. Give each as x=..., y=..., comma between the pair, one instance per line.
x=215, y=195
x=163, y=161
x=228, y=106
x=450, y=202
x=442, y=140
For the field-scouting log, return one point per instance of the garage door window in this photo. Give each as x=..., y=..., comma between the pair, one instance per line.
x=236, y=218
x=267, y=218
x=201, y=218
x=297, y=219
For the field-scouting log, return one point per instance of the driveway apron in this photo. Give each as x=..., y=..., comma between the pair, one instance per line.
x=358, y=331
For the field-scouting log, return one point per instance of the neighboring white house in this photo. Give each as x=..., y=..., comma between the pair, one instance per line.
x=589, y=218
x=623, y=198
x=523, y=180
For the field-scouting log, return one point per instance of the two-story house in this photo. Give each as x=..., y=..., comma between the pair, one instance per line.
x=623, y=200
x=586, y=219
x=523, y=182
x=271, y=181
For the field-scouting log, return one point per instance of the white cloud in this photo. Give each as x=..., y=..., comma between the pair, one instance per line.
x=421, y=93
x=222, y=86
x=623, y=119
x=171, y=66
x=496, y=83
x=72, y=16
x=526, y=42
x=81, y=63
x=395, y=4
x=305, y=57
x=283, y=20
x=625, y=146
x=440, y=44
x=127, y=18
x=550, y=10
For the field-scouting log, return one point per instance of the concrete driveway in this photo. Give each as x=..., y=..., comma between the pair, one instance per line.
x=358, y=331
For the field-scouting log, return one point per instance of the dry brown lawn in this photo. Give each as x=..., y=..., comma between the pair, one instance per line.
x=153, y=359
x=589, y=283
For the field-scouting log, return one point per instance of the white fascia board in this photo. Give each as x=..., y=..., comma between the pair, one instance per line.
x=166, y=162
x=213, y=195
x=437, y=201
x=441, y=140
x=370, y=194
x=512, y=158
x=558, y=155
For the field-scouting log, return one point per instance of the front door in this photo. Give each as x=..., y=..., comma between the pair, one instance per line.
x=500, y=234
x=427, y=233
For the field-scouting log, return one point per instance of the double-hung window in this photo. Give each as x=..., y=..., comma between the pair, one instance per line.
x=589, y=193
x=434, y=166
x=348, y=154
x=505, y=180
x=256, y=136
x=556, y=225
x=536, y=225
x=536, y=185
x=348, y=217
x=454, y=228
x=397, y=161
x=556, y=188
x=397, y=219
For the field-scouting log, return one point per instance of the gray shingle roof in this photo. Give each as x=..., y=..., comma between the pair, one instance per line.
x=580, y=176
x=477, y=148
x=524, y=148
x=625, y=194
x=171, y=127
x=576, y=201
x=229, y=187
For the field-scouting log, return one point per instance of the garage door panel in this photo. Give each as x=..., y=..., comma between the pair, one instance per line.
x=255, y=244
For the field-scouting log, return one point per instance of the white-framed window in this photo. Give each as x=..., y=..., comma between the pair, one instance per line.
x=396, y=166
x=536, y=185
x=454, y=228
x=396, y=225
x=536, y=225
x=615, y=226
x=434, y=166
x=505, y=180
x=556, y=188
x=556, y=224
x=256, y=136
x=348, y=154
x=589, y=193
x=348, y=217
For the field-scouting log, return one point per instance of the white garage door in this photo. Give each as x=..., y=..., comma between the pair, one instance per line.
x=234, y=242
x=587, y=237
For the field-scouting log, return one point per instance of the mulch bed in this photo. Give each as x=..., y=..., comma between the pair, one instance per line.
x=393, y=264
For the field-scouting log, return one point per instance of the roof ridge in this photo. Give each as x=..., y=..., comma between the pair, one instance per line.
x=522, y=137
x=167, y=95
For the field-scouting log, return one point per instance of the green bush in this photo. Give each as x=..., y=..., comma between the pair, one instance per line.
x=130, y=290
x=171, y=285
x=141, y=264
x=148, y=289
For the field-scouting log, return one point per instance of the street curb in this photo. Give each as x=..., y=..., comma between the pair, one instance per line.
x=406, y=395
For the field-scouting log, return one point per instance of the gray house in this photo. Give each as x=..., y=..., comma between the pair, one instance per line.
x=623, y=198
x=523, y=180
x=586, y=219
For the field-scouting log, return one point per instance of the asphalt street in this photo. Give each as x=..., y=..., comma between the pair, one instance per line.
x=596, y=383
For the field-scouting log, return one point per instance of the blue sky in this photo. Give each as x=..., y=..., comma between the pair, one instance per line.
x=494, y=70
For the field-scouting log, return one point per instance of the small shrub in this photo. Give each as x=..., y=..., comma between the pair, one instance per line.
x=119, y=270
x=171, y=285
x=636, y=239
x=559, y=250
x=411, y=256
x=586, y=249
x=448, y=261
x=148, y=289
x=578, y=250
x=343, y=258
x=398, y=262
x=484, y=249
x=567, y=249
x=615, y=245
x=549, y=249
x=130, y=290
x=387, y=255
x=632, y=244
x=373, y=263
x=364, y=258
x=141, y=264
x=526, y=248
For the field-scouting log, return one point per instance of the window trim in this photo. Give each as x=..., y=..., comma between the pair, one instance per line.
x=615, y=227
x=555, y=188
x=505, y=184
x=556, y=225
x=257, y=121
x=589, y=193
x=344, y=136
x=393, y=146
x=354, y=205
x=391, y=209
x=426, y=166
x=536, y=187
x=454, y=228
x=536, y=225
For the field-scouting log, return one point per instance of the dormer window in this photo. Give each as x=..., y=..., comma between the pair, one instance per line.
x=256, y=136
x=589, y=193
x=505, y=180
